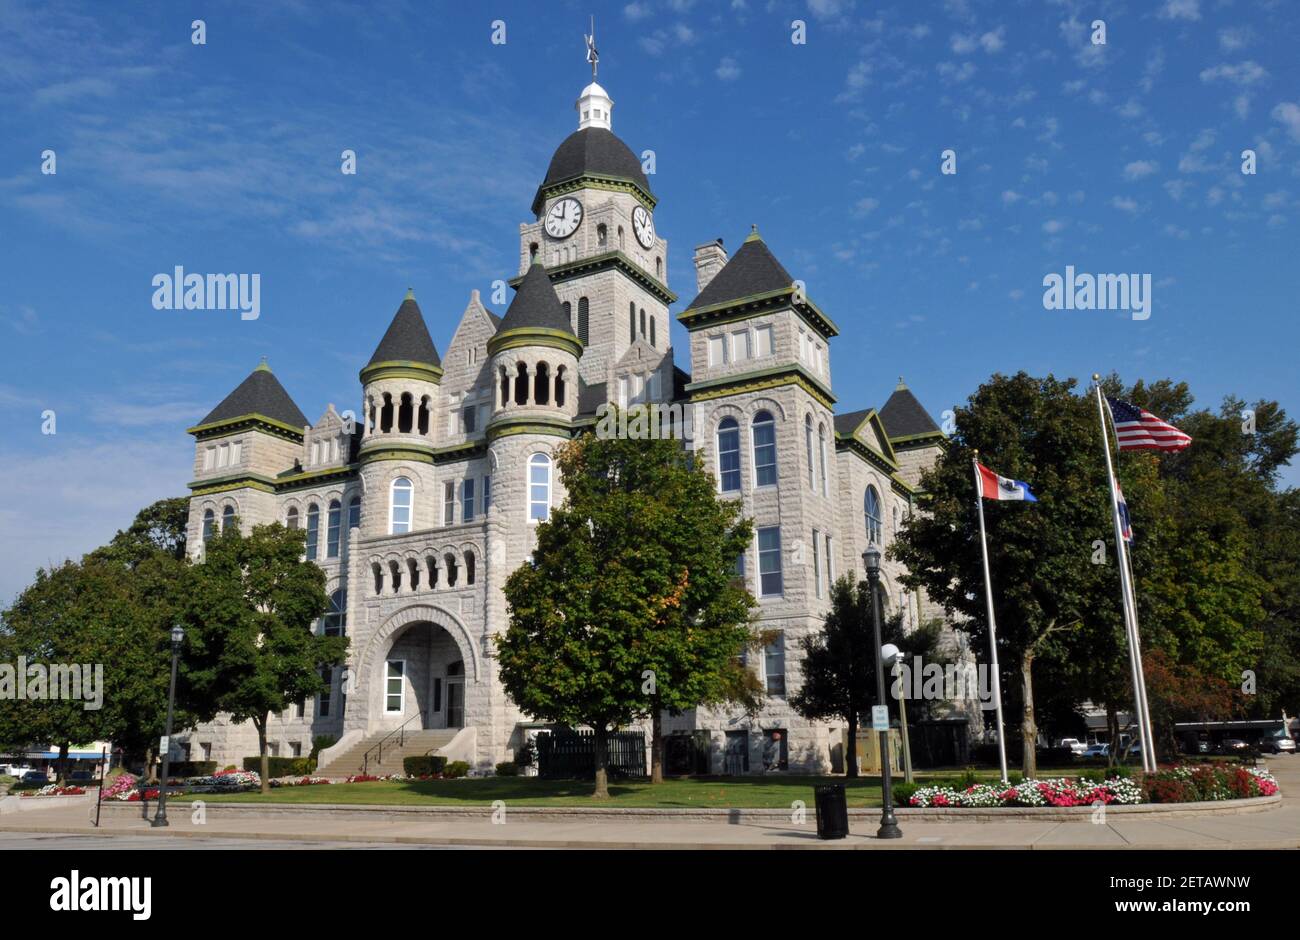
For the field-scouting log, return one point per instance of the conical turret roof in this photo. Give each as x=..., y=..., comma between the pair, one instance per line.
x=259, y=394
x=407, y=339
x=535, y=304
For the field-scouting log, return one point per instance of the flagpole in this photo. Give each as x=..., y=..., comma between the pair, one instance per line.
x=1130, y=626
x=993, y=627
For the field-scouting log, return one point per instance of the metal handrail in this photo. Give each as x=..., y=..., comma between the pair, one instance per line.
x=400, y=731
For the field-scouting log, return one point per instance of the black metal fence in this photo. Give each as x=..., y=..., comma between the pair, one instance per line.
x=569, y=755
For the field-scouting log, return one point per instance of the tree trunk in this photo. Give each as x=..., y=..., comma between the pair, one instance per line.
x=61, y=769
x=851, y=751
x=146, y=772
x=1028, y=726
x=657, y=746
x=260, y=724
x=602, y=759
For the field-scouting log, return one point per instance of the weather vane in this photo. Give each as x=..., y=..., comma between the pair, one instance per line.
x=592, y=55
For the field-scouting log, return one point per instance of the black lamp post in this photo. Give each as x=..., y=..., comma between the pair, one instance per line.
x=888, y=822
x=160, y=818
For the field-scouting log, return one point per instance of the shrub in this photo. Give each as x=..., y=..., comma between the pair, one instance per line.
x=191, y=768
x=903, y=793
x=319, y=743
x=507, y=768
x=457, y=768
x=424, y=765
x=281, y=766
x=525, y=755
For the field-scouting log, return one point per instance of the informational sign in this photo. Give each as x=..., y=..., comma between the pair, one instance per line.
x=879, y=717
x=164, y=744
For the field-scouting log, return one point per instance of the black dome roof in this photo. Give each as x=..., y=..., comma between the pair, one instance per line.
x=594, y=151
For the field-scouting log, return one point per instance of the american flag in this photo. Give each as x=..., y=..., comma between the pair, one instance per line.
x=1138, y=429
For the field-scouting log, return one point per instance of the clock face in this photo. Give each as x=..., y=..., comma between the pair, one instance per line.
x=564, y=218
x=644, y=227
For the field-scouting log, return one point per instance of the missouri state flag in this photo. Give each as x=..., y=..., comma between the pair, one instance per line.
x=1126, y=527
x=993, y=486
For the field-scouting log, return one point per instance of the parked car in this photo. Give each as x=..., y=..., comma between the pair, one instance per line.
x=1076, y=746
x=81, y=776
x=35, y=776
x=14, y=770
x=1277, y=743
x=1097, y=750
x=1233, y=746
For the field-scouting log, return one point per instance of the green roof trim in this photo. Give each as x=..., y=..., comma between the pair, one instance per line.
x=609, y=259
x=588, y=180
x=242, y=422
x=297, y=479
x=694, y=318
x=534, y=336
x=246, y=481
x=793, y=374
x=401, y=369
x=506, y=424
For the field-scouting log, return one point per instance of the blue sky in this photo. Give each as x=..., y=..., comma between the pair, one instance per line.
x=225, y=158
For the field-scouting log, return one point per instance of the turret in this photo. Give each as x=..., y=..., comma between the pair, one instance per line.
x=400, y=396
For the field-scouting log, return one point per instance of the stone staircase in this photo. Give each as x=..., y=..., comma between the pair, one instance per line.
x=395, y=748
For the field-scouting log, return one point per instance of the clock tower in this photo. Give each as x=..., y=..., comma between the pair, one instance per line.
x=594, y=232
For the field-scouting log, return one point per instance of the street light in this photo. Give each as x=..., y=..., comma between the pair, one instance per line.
x=888, y=823
x=160, y=818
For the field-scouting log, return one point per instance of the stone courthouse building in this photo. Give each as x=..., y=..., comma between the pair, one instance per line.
x=421, y=499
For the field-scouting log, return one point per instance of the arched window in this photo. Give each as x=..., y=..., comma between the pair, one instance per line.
x=764, y=430
x=807, y=443
x=620, y=236
x=227, y=518
x=729, y=455
x=386, y=414
x=431, y=565
x=643, y=322
x=821, y=451
x=335, y=621
x=505, y=387
x=395, y=572
x=332, y=529
x=291, y=517
x=413, y=570
x=652, y=332
x=871, y=509
x=584, y=313
x=354, y=513
x=542, y=384
x=521, y=384
x=659, y=268
x=602, y=235
x=631, y=322
x=568, y=311
x=532, y=251
x=469, y=567
x=539, y=488
x=559, y=387
x=313, y=531
x=406, y=414
x=378, y=572
x=209, y=525
x=399, y=519
x=449, y=561
x=426, y=412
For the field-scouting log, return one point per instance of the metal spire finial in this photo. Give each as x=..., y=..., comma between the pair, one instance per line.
x=592, y=55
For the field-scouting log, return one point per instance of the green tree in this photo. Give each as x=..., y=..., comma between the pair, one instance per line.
x=250, y=647
x=630, y=606
x=839, y=666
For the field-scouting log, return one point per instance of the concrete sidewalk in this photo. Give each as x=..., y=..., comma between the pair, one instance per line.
x=1277, y=827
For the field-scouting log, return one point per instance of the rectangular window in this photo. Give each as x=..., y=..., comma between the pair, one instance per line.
x=332, y=530
x=437, y=695
x=470, y=419
x=449, y=503
x=735, y=758
x=817, y=563
x=769, y=561
x=740, y=345
x=205, y=747
x=776, y=750
x=717, y=351
x=487, y=494
x=209, y=458
x=295, y=749
x=774, y=664
x=467, y=500
x=223, y=452
x=323, y=699
x=395, y=687
x=236, y=448
x=762, y=341
x=830, y=563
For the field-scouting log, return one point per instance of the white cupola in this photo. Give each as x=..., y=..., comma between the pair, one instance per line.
x=594, y=105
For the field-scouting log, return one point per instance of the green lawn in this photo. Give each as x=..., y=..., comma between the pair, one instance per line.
x=707, y=792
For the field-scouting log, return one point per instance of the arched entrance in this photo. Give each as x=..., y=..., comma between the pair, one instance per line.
x=420, y=679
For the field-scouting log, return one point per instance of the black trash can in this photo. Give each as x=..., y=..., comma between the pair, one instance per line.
x=832, y=811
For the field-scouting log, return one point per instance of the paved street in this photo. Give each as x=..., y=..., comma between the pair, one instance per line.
x=1274, y=827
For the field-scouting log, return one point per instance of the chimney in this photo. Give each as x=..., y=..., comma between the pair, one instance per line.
x=709, y=260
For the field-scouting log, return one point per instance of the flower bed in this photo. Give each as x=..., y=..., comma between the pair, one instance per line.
x=1174, y=785
x=54, y=789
